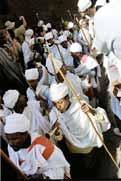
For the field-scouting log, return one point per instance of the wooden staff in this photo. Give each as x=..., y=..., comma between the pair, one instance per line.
x=88, y=44
x=62, y=59
x=53, y=66
x=9, y=162
x=87, y=114
x=80, y=27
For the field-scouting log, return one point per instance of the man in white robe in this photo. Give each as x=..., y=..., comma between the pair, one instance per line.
x=32, y=153
x=79, y=134
x=27, y=51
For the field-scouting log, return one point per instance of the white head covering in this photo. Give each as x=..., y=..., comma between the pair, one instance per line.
x=45, y=28
x=58, y=91
x=83, y=5
x=70, y=25
x=16, y=123
x=75, y=47
x=10, y=98
x=48, y=36
x=49, y=66
x=28, y=34
x=9, y=25
x=67, y=33
x=62, y=38
x=32, y=74
x=40, y=23
x=49, y=25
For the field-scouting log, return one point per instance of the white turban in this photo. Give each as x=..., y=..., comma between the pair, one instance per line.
x=28, y=34
x=16, y=123
x=83, y=5
x=49, y=25
x=57, y=66
x=45, y=28
x=58, y=91
x=40, y=23
x=10, y=98
x=48, y=36
x=70, y=25
x=32, y=74
x=75, y=47
x=62, y=38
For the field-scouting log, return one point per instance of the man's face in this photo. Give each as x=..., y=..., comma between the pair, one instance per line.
x=64, y=44
x=33, y=83
x=62, y=104
x=76, y=55
x=17, y=140
x=50, y=42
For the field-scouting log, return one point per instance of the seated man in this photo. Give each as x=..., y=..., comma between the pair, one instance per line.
x=31, y=153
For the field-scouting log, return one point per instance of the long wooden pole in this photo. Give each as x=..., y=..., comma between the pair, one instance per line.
x=87, y=114
x=9, y=162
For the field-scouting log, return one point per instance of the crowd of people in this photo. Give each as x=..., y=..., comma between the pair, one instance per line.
x=60, y=94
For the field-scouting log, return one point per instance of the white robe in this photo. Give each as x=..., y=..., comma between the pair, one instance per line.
x=27, y=52
x=77, y=128
x=39, y=123
x=116, y=106
x=77, y=85
x=34, y=163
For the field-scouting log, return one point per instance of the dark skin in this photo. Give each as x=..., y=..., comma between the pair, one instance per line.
x=50, y=42
x=64, y=44
x=77, y=55
x=21, y=104
x=64, y=71
x=22, y=141
x=19, y=140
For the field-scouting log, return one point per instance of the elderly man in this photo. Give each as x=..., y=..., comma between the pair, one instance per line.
x=31, y=153
x=79, y=134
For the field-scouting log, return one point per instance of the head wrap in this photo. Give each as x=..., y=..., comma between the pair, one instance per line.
x=10, y=98
x=16, y=123
x=49, y=25
x=40, y=23
x=58, y=91
x=83, y=5
x=48, y=36
x=28, y=34
x=62, y=38
x=75, y=47
x=70, y=25
x=32, y=74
